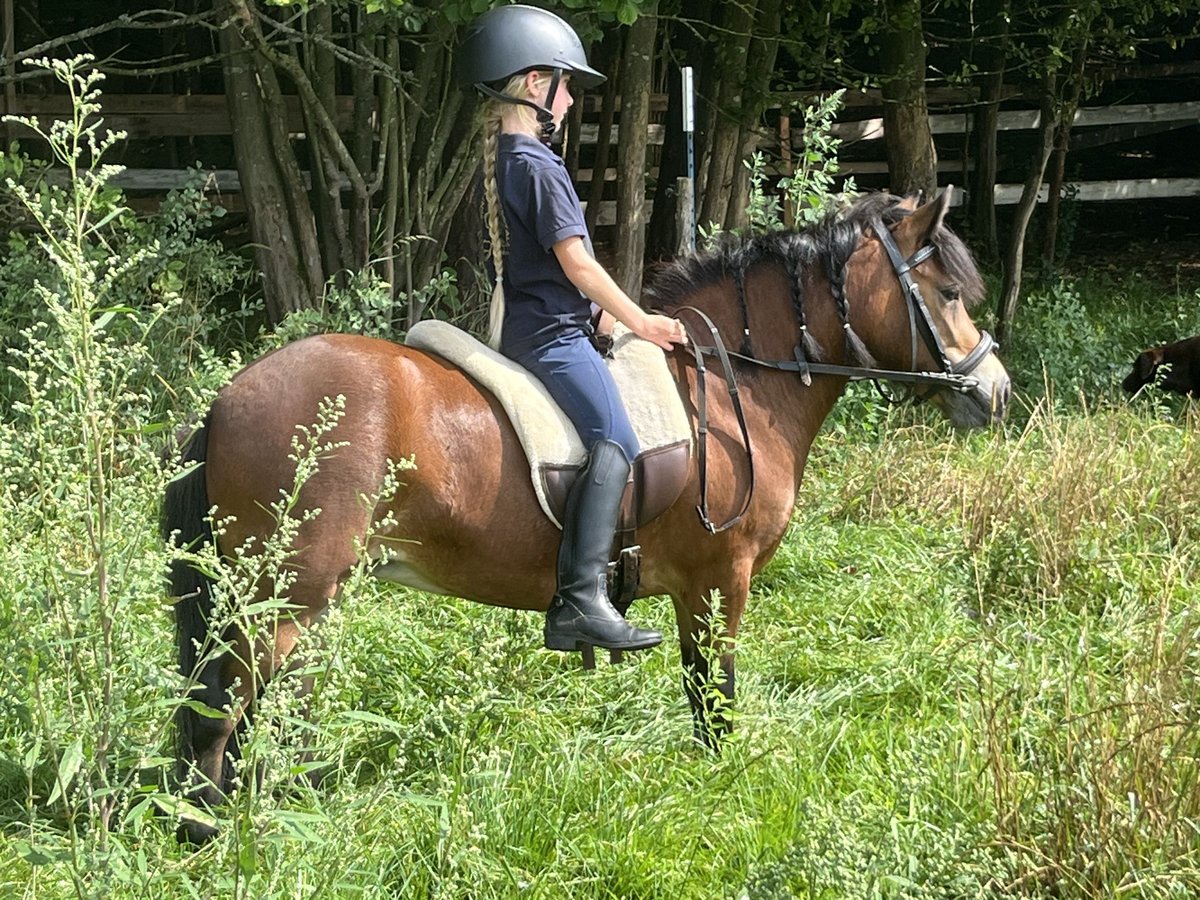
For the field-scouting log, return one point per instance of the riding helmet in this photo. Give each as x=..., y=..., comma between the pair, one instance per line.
x=509, y=40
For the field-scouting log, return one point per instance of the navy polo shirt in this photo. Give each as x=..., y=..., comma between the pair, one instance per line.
x=541, y=208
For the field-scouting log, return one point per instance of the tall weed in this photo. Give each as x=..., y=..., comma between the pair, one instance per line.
x=80, y=472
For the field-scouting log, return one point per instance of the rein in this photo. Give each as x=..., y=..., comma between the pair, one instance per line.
x=954, y=376
x=717, y=348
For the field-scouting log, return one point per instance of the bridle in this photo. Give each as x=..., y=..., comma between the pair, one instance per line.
x=958, y=375
x=952, y=376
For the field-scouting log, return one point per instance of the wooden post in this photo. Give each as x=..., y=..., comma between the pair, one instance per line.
x=785, y=161
x=685, y=187
x=685, y=216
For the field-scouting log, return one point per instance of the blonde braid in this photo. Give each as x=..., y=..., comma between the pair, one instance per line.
x=492, y=112
x=495, y=229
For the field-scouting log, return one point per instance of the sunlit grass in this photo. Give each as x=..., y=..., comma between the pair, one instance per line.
x=970, y=670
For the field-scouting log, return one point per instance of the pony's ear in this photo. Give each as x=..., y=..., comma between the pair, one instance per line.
x=1143, y=370
x=910, y=202
x=1148, y=362
x=913, y=231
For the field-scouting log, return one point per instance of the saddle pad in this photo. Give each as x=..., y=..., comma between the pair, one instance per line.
x=639, y=368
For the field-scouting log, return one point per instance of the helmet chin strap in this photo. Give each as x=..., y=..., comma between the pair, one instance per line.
x=544, y=116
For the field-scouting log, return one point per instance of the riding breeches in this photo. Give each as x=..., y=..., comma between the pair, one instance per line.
x=580, y=383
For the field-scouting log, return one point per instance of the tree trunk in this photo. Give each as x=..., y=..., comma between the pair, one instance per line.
x=1011, y=288
x=322, y=68
x=990, y=52
x=572, y=132
x=685, y=49
x=1062, y=142
x=389, y=170
x=362, y=142
x=763, y=46
x=1057, y=166
x=610, y=49
x=636, y=72
x=724, y=140
x=912, y=160
x=281, y=221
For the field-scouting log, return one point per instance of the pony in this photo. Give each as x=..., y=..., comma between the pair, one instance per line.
x=1182, y=372
x=879, y=289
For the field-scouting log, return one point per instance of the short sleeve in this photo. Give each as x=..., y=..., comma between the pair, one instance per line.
x=555, y=208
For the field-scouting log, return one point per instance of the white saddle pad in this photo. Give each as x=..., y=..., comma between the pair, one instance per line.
x=639, y=368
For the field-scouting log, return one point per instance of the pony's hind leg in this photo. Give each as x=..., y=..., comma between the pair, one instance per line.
x=208, y=739
x=233, y=682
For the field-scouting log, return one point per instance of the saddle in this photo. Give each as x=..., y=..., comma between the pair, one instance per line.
x=556, y=454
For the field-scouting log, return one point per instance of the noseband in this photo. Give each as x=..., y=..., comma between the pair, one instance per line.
x=953, y=376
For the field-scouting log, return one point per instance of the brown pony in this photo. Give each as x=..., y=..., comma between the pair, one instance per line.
x=856, y=290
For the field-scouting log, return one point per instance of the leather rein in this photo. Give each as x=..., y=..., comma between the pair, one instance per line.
x=953, y=376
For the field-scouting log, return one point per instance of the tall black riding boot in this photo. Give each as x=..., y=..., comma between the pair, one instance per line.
x=580, y=612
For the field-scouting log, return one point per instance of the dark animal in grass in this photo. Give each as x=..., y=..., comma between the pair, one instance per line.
x=1173, y=367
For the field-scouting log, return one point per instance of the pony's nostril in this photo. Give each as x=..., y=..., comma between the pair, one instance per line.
x=1000, y=397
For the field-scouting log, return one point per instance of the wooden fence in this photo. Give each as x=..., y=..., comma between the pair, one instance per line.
x=150, y=116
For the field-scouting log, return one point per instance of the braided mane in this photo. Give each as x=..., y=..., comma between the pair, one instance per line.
x=827, y=244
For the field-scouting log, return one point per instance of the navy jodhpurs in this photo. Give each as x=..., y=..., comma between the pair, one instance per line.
x=579, y=381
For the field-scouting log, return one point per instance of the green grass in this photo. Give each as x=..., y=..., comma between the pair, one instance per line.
x=943, y=691
x=970, y=671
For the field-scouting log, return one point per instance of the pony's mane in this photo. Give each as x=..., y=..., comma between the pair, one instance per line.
x=829, y=243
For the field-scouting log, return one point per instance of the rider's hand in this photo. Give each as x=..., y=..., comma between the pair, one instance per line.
x=661, y=330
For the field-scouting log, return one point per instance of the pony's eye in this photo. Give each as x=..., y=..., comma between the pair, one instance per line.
x=951, y=293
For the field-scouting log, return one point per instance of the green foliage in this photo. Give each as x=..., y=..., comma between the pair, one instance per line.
x=809, y=193
x=81, y=563
x=365, y=306
x=159, y=274
x=1076, y=338
x=810, y=190
x=970, y=670
x=586, y=16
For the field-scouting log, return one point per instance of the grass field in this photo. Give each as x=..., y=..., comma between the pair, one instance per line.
x=970, y=671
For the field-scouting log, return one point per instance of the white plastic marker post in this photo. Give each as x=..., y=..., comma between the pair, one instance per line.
x=685, y=213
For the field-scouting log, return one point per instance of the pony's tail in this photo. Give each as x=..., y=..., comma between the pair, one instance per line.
x=185, y=525
x=496, y=316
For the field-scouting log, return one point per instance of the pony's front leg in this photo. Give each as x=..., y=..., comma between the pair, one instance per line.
x=706, y=633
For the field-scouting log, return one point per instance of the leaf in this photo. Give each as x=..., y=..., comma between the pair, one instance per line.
x=360, y=715
x=176, y=806
x=32, y=754
x=68, y=768
x=108, y=218
x=248, y=857
x=298, y=824
x=136, y=812
x=184, y=472
x=37, y=856
x=199, y=708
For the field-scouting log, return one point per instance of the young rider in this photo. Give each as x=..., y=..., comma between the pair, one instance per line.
x=523, y=59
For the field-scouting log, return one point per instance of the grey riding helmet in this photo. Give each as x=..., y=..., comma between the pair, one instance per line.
x=512, y=39
x=509, y=40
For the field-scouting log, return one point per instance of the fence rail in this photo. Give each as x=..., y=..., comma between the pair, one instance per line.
x=195, y=115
